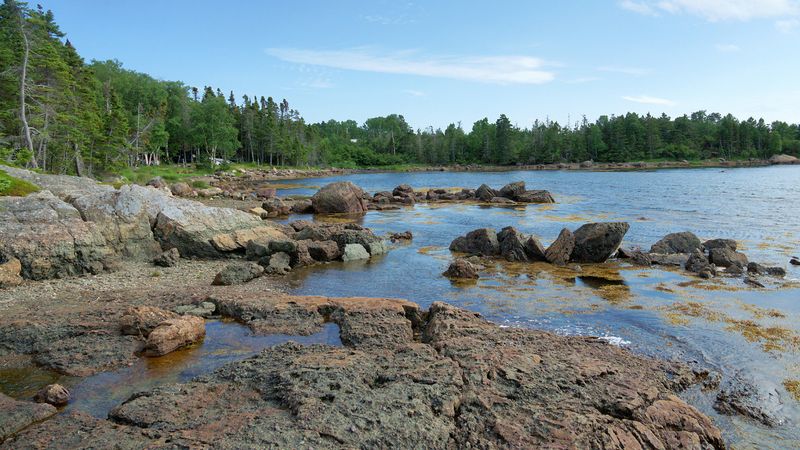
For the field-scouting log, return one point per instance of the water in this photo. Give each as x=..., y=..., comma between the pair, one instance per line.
x=724, y=325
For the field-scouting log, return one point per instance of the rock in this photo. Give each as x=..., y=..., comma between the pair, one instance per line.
x=283, y=245
x=512, y=244
x=485, y=193
x=758, y=269
x=674, y=259
x=275, y=207
x=534, y=249
x=266, y=192
x=168, y=258
x=560, y=250
x=752, y=281
x=362, y=237
x=339, y=197
x=699, y=264
x=10, y=272
x=794, y=261
x=324, y=251
x=157, y=183
x=758, y=400
x=725, y=257
x=302, y=206
x=238, y=273
x=461, y=269
x=239, y=239
x=209, y=192
x=377, y=248
x=720, y=243
x=404, y=236
x=634, y=255
x=354, y=252
x=53, y=394
x=537, y=196
x=17, y=415
x=683, y=242
x=482, y=241
x=502, y=200
x=141, y=320
x=596, y=242
x=512, y=190
x=205, y=310
x=277, y=264
x=403, y=190
x=182, y=190
x=783, y=159
x=587, y=164
x=173, y=334
x=259, y=212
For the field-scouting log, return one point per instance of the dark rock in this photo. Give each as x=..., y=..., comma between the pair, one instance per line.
x=482, y=241
x=725, y=257
x=534, y=249
x=361, y=237
x=512, y=190
x=403, y=190
x=324, y=251
x=673, y=259
x=339, y=197
x=485, y=193
x=596, y=242
x=560, y=250
x=536, y=196
x=303, y=206
x=53, y=394
x=683, y=242
x=635, y=256
x=266, y=192
x=286, y=246
x=502, y=200
x=168, y=258
x=404, y=236
x=275, y=207
x=461, y=269
x=758, y=269
x=794, y=261
x=238, y=273
x=141, y=320
x=698, y=263
x=512, y=244
x=752, y=281
x=173, y=334
x=757, y=400
x=719, y=243
x=277, y=263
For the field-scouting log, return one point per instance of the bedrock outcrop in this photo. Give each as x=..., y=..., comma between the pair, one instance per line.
x=404, y=378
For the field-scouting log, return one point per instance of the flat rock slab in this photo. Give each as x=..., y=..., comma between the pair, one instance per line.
x=405, y=378
x=16, y=415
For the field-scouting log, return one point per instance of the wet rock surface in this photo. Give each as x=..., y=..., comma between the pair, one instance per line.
x=444, y=378
x=461, y=269
x=16, y=415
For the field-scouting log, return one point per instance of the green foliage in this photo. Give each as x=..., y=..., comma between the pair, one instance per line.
x=200, y=184
x=11, y=186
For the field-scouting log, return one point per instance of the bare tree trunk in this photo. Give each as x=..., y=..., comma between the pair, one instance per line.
x=23, y=114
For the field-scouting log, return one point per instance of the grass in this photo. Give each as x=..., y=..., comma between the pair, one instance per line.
x=170, y=173
x=14, y=187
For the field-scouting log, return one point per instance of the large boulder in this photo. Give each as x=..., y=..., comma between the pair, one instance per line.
x=238, y=273
x=536, y=196
x=783, y=159
x=324, y=251
x=534, y=249
x=560, y=250
x=183, y=190
x=719, y=243
x=238, y=240
x=683, y=242
x=513, y=190
x=339, y=197
x=173, y=334
x=354, y=252
x=461, y=269
x=699, y=264
x=725, y=257
x=482, y=241
x=596, y=242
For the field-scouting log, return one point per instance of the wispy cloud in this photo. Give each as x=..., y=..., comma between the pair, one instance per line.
x=414, y=93
x=717, y=10
x=582, y=80
x=727, y=48
x=501, y=69
x=649, y=100
x=787, y=26
x=635, y=71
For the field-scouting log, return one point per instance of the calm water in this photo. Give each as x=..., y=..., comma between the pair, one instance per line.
x=743, y=333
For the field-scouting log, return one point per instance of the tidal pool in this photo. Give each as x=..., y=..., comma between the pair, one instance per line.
x=745, y=334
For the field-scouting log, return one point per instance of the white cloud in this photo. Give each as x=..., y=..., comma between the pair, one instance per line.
x=727, y=48
x=787, y=26
x=414, y=93
x=487, y=69
x=717, y=10
x=582, y=80
x=635, y=71
x=648, y=100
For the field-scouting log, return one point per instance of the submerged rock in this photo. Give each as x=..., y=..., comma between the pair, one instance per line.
x=339, y=197
x=53, y=394
x=758, y=269
x=683, y=242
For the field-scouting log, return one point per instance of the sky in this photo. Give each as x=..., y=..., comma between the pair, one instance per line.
x=441, y=62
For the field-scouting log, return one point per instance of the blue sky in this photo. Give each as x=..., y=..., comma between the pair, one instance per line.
x=438, y=62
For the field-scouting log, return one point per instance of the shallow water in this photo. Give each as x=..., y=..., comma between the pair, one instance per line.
x=724, y=325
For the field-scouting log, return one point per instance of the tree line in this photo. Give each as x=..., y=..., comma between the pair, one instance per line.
x=61, y=114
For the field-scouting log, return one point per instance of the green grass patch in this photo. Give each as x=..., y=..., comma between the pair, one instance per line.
x=14, y=187
x=200, y=184
x=170, y=173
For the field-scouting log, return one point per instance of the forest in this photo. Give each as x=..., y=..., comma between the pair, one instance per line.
x=60, y=114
